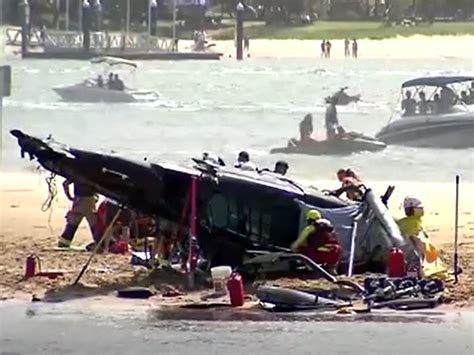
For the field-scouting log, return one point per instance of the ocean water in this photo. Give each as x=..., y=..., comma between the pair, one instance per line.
x=227, y=106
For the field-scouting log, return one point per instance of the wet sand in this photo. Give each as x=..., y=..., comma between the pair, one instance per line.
x=25, y=229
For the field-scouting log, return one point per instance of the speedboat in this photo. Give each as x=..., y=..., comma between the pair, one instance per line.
x=89, y=90
x=349, y=143
x=451, y=128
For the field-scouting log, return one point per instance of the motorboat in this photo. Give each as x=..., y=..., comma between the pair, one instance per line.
x=234, y=211
x=90, y=91
x=349, y=143
x=450, y=127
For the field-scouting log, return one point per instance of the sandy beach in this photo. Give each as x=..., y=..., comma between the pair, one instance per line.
x=415, y=47
x=25, y=229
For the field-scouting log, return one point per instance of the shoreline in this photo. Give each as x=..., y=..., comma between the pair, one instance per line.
x=413, y=47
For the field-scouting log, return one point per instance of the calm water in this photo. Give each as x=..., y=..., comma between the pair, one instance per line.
x=59, y=329
x=226, y=106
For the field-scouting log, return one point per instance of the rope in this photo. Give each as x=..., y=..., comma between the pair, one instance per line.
x=52, y=193
x=48, y=203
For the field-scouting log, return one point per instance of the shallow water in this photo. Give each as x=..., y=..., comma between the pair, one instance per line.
x=68, y=329
x=227, y=106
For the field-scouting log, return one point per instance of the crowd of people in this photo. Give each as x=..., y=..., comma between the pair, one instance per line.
x=113, y=83
x=441, y=102
x=349, y=48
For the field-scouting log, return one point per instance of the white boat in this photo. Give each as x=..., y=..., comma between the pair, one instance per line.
x=89, y=91
x=454, y=128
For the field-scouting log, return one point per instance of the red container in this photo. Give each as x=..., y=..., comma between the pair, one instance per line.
x=395, y=263
x=235, y=286
x=30, y=266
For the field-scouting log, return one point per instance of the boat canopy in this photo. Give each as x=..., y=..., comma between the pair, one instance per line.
x=113, y=61
x=437, y=81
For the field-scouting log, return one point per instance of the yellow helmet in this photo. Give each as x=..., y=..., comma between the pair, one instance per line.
x=313, y=215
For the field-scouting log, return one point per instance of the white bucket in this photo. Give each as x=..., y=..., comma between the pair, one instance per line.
x=220, y=275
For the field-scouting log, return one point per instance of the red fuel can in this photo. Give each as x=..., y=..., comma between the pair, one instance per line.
x=235, y=286
x=395, y=263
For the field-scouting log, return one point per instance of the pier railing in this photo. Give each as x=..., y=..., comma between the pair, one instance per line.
x=53, y=40
x=13, y=37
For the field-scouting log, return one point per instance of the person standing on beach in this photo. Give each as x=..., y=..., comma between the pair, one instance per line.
x=323, y=49
x=83, y=206
x=328, y=49
x=355, y=48
x=246, y=43
x=347, y=51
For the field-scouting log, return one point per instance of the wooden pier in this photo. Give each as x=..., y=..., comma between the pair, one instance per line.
x=48, y=44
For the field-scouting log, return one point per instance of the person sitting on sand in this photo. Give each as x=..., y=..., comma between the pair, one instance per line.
x=83, y=206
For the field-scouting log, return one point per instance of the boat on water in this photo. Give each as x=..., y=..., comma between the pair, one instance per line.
x=350, y=143
x=443, y=125
x=89, y=90
x=236, y=211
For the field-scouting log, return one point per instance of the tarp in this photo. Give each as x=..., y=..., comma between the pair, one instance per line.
x=376, y=230
x=437, y=81
x=342, y=220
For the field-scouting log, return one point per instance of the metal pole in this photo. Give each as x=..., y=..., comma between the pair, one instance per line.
x=174, y=21
x=149, y=18
x=240, y=30
x=127, y=19
x=456, y=227
x=58, y=9
x=80, y=16
x=66, y=20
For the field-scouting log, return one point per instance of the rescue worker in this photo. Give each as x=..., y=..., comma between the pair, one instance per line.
x=318, y=241
x=244, y=163
x=411, y=225
x=411, y=228
x=83, y=206
x=281, y=167
x=351, y=185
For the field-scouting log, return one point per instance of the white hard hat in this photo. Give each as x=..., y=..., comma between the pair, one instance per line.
x=412, y=202
x=325, y=222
